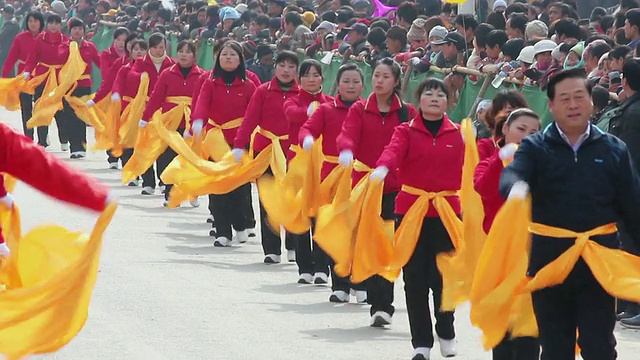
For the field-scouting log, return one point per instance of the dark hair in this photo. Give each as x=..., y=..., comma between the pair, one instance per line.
x=120, y=31
x=274, y=24
x=513, y=47
x=481, y=34
x=131, y=37
x=287, y=56
x=140, y=43
x=156, y=38
x=515, y=8
x=606, y=22
x=496, y=37
x=503, y=98
x=104, y=4
x=565, y=10
x=342, y=16
x=407, y=11
x=620, y=37
x=349, y=67
x=131, y=11
x=629, y=4
x=191, y=46
x=75, y=22
x=468, y=21
x=517, y=113
x=54, y=19
x=262, y=19
x=380, y=23
x=431, y=83
x=518, y=21
x=633, y=17
x=36, y=15
x=164, y=14
x=568, y=28
x=153, y=6
x=293, y=18
x=564, y=75
x=631, y=72
x=240, y=70
x=597, y=14
x=497, y=20
x=600, y=97
x=396, y=71
x=619, y=20
x=398, y=33
x=597, y=50
x=328, y=16
x=620, y=51
x=307, y=64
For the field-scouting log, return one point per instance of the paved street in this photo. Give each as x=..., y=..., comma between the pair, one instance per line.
x=164, y=292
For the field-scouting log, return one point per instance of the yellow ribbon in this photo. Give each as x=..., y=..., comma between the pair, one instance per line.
x=278, y=160
x=50, y=77
x=216, y=145
x=132, y=114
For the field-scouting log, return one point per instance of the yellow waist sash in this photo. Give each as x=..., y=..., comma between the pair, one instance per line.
x=278, y=160
x=331, y=159
x=216, y=145
x=361, y=167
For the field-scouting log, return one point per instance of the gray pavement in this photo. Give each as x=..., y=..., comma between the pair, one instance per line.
x=164, y=291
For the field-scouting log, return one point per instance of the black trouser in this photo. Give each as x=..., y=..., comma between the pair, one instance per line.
x=520, y=348
x=339, y=283
x=249, y=215
x=310, y=258
x=420, y=275
x=578, y=303
x=112, y=159
x=271, y=242
x=228, y=211
x=379, y=289
x=76, y=129
x=26, y=109
x=161, y=164
x=43, y=131
x=627, y=306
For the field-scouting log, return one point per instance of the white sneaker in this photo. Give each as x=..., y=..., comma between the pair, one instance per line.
x=305, y=279
x=291, y=255
x=195, y=202
x=421, y=353
x=63, y=147
x=361, y=296
x=222, y=242
x=272, y=259
x=447, y=347
x=81, y=154
x=148, y=190
x=162, y=188
x=242, y=236
x=320, y=278
x=339, y=297
x=380, y=319
x=113, y=166
x=132, y=183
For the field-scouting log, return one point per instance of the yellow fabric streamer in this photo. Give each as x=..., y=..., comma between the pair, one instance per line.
x=109, y=138
x=10, y=90
x=278, y=161
x=215, y=136
x=90, y=116
x=57, y=269
x=12, y=232
x=128, y=129
x=495, y=306
x=49, y=76
x=51, y=101
x=457, y=268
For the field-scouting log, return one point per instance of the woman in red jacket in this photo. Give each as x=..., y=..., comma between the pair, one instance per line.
x=266, y=110
x=503, y=103
x=365, y=132
x=175, y=87
x=428, y=154
x=76, y=128
x=327, y=122
x=21, y=47
x=44, y=58
x=153, y=63
x=519, y=124
x=126, y=87
x=222, y=102
x=312, y=264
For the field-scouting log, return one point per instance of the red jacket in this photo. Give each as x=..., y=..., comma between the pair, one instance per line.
x=486, y=181
x=486, y=147
x=126, y=84
x=196, y=94
x=425, y=162
x=45, y=51
x=326, y=121
x=22, y=45
x=295, y=110
x=171, y=83
x=109, y=76
x=145, y=64
x=266, y=110
x=223, y=104
x=47, y=173
x=254, y=78
x=89, y=54
x=366, y=133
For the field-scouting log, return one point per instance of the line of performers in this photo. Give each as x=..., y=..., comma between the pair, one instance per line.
x=414, y=157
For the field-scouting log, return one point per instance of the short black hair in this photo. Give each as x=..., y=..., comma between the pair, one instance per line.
x=408, y=11
x=287, y=56
x=120, y=31
x=633, y=17
x=620, y=51
x=607, y=22
x=468, y=21
x=600, y=97
x=349, y=67
x=631, y=72
x=431, y=83
x=564, y=75
x=75, y=22
x=565, y=10
x=496, y=20
x=153, y=6
x=518, y=21
x=262, y=19
x=294, y=18
x=164, y=14
x=54, y=19
x=597, y=14
x=568, y=28
x=329, y=16
x=515, y=8
x=307, y=64
x=598, y=49
x=481, y=34
x=36, y=15
x=496, y=37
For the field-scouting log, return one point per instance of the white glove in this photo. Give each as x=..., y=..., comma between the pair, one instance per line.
x=26, y=75
x=90, y=103
x=415, y=61
x=379, y=174
x=4, y=250
x=519, y=190
x=115, y=97
x=111, y=197
x=7, y=201
x=307, y=143
x=142, y=124
x=186, y=135
x=237, y=154
x=312, y=107
x=507, y=151
x=196, y=127
x=345, y=158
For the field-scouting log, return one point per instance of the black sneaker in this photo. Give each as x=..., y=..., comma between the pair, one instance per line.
x=212, y=232
x=419, y=357
x=624, y=315
x=632, y=323
x=74, y=156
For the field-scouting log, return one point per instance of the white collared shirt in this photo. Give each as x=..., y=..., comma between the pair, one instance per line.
x=581, y=139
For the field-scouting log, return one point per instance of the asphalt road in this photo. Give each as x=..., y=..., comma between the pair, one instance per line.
x=164, y=291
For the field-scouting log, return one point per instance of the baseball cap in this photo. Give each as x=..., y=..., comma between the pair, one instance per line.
x=327, y=25
x=544, y=46
x=438, y=31
x=8, y=9
x=527, y=54
x=452, y=38
x=359, y=27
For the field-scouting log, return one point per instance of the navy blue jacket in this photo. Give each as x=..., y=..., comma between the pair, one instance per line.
x=577, y=191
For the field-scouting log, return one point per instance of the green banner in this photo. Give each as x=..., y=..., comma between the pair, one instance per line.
x=102, y=39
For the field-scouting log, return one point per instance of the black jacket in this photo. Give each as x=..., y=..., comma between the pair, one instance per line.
x=577, y=191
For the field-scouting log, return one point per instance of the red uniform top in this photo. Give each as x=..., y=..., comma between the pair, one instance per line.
x=172, y=83
x=22, y=45
x=145, y=64
x=48, y=174
x=326, y=121
x=253, y=78
x=295, y=110
x=126, y=84
x=196, y=94
x=89, y=53
x=266, y=110
x=109, y=76
x=366, y=132
x=45, y=52
x=107, y=59
x=222, y=103
x=425, y=162
x=486, y=147
x=486, y=181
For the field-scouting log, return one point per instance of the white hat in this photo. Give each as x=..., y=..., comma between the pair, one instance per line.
x=241, y=8
x=499, y=3
x=58, y=6
x=536, y=28
x=483, y=105
x=327, y=25
x=544, y=46
x=527, y=54
x=438, y=31
x=556, y=53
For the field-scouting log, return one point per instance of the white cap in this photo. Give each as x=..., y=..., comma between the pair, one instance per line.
x=438, y=31
x=536, y=29
x=241, y=8
x=499, y=3
x=327, y=25
x=556, y=53
x=544, y=46
x=484, y=105
x=527, y=54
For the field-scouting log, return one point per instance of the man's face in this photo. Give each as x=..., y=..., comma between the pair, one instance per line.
x=7, y=16
x=449, y=50
x=554, y=14
x=460, y=29
x=571, y=105
x=354, y=37
x=202, y=17
x=512, y=33
x=274, y=9
x=630, y=31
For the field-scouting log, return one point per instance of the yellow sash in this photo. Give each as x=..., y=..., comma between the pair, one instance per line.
x=132, y=114
x=278, y=161
x=217, y=145
x=49, y=76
